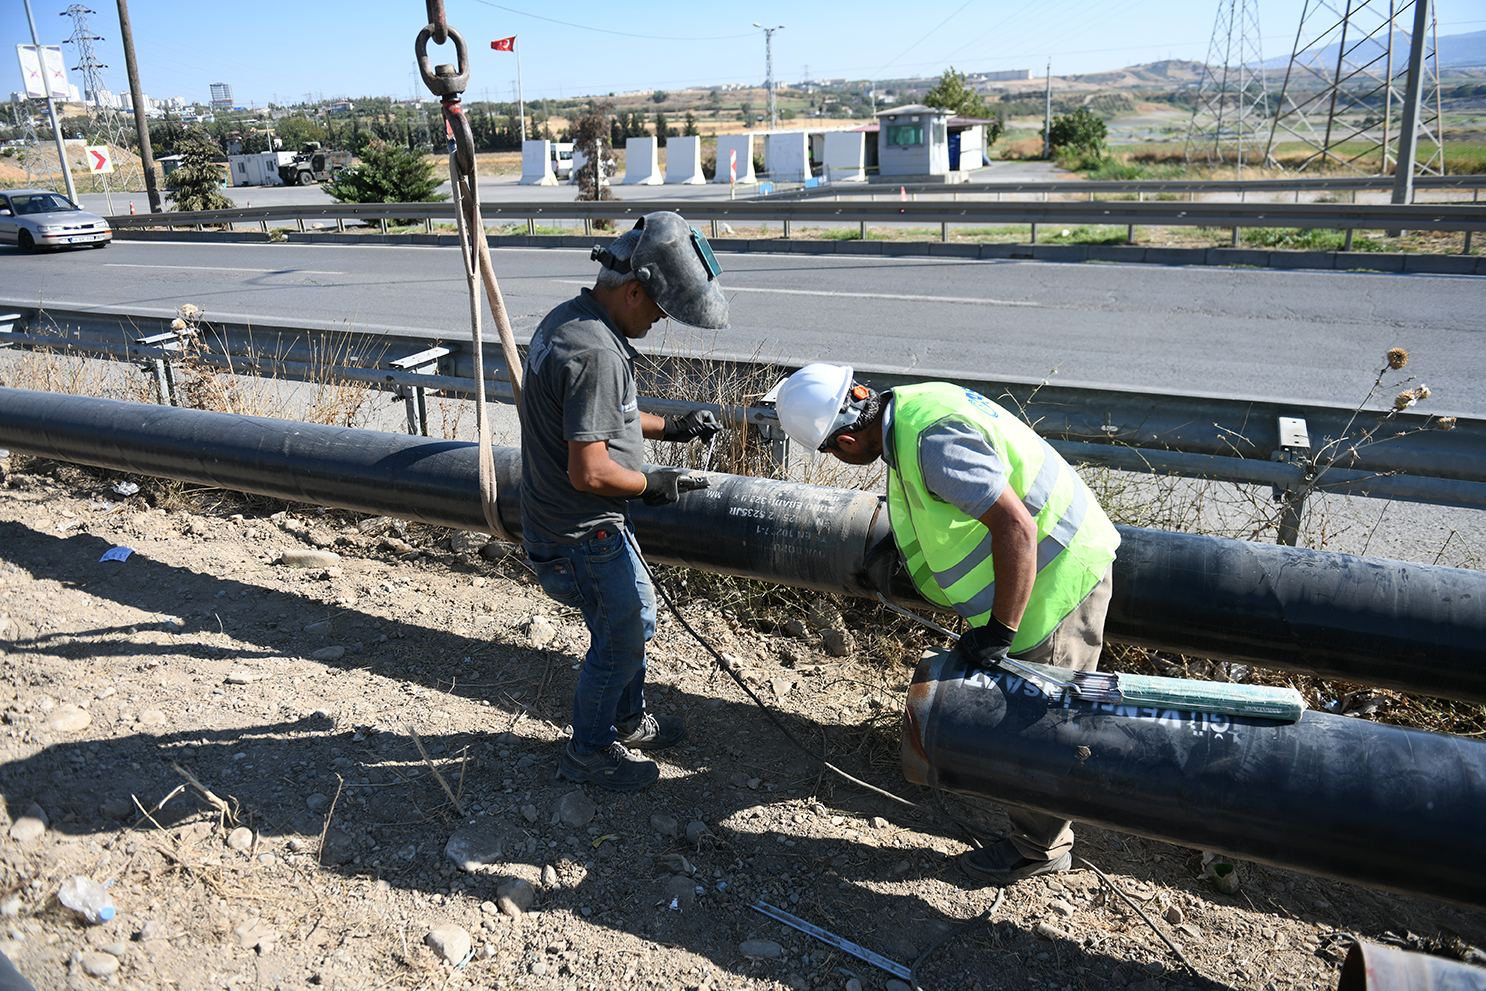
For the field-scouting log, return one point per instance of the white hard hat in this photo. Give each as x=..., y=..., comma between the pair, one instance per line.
x=813, y=403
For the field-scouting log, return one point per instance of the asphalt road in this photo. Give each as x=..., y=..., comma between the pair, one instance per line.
x=1275, y=334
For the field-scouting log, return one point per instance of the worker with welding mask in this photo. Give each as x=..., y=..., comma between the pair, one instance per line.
x=582, y=447
x=990, y=521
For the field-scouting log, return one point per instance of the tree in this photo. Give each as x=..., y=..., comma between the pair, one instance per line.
x=690, y=129
x=951, y=93
x=591, y=137
x=296, y=132
x=660, y=96
x=387, y=174
x=195, y=182
x=662, y=129
x=745, y=112
x=1080, y=132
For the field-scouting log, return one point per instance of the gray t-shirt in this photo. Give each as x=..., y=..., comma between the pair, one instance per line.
x=579, y=385
x=956, y=463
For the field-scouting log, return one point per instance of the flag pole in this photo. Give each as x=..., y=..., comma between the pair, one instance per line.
x=520, y=98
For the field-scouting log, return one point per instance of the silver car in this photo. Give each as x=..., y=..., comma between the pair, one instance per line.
x=40, y=218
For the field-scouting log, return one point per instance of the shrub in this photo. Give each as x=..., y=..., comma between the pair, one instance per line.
x=386, y=174
x=195, y=182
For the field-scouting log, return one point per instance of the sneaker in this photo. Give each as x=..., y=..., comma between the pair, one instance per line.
x=1002, y=864
x=652, y=732
x=614, y=768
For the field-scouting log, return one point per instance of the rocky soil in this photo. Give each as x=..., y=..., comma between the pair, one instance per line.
x=297, y=771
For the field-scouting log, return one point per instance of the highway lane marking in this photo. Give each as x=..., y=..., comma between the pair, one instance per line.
x=973, y=300
x=221, y=268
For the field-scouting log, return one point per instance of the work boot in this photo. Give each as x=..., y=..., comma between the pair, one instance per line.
x=651, y=732
x=1002, y=864
x=613, y=768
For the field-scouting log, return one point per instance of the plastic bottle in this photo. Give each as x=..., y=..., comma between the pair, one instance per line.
x=87, y=898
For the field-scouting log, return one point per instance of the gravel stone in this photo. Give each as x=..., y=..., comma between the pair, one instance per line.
x=240, y=838
x=68, y=718
x=304, y=557
x=761, y=949
x=96, y=964
x=576, y=809
x=449, y=941
x=30, y=826
x=332, y=653
x=471, y=848
x=664, y=825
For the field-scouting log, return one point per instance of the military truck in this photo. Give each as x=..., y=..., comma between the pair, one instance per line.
x=313, y=165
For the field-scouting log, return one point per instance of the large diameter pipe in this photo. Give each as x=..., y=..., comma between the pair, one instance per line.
x=1390, y=624
x=1410, y=627
x=805, y=535
x=1372, y=967
x=1330, y=795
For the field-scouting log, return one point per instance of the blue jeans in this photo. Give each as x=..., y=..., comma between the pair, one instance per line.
x=605, y=579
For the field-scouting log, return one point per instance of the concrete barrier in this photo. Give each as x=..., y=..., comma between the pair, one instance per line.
x=786, y=157
x=845, y=156
x=741, y=146
x=641, y=164
x=536, y=164
x=684, y=161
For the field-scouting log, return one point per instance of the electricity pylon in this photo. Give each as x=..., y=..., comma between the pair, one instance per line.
x=1232, y=104
x=1344, y=95
x=108, y=123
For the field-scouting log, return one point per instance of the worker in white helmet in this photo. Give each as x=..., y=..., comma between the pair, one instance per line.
x=991, y=522
x=582, y=445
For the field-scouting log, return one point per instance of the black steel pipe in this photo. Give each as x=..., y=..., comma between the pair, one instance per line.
x=1408, y=627
x=1331, y=795
x=1411, y=627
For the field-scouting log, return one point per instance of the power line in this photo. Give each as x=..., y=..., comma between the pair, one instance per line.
x=618, y=34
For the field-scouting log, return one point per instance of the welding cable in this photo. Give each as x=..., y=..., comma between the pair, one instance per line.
x=941, y=812
x=732, y=672
x=982, y=917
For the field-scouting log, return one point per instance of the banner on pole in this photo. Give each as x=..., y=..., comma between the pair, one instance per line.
x=45, y=74
x=100, y=158
x=505, y=44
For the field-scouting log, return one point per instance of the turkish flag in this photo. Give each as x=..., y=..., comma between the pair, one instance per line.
x=505, y=44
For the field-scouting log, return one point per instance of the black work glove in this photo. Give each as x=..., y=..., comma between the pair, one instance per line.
x=663, y=486
x=699, y=424
x=983, y=646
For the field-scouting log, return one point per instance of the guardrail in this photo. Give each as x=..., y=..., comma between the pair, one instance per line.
x=1141, y=187
x=1407, y=457
x=1467, y=217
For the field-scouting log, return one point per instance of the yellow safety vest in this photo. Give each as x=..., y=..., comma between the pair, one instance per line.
x=948, y=554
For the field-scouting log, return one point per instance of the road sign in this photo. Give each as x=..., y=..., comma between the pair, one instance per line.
x=43, y=74
x=100, y=158
x=733, y=165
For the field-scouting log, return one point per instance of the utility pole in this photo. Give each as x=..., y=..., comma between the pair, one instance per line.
x=1408, y=131
x=141, y=126
x=51, y=108
x=1047, y=122
x=769, y=70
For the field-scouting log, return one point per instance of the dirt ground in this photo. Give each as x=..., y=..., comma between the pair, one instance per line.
x=289, y=730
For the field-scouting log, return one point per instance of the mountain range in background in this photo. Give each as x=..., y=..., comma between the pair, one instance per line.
x=1453, y=51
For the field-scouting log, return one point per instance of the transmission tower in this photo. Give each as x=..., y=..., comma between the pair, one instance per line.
x=38, y=159
x=108, y=123
x=1343, y=96
x=1232, y=104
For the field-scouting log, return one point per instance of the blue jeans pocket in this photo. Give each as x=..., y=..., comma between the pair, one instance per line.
x=558, y=581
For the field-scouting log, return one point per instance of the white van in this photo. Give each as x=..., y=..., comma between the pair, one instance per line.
x=562, y=159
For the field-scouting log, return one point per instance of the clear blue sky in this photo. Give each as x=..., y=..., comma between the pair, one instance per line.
x=284, y=52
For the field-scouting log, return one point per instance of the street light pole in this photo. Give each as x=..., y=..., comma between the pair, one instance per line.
x=769, y=69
